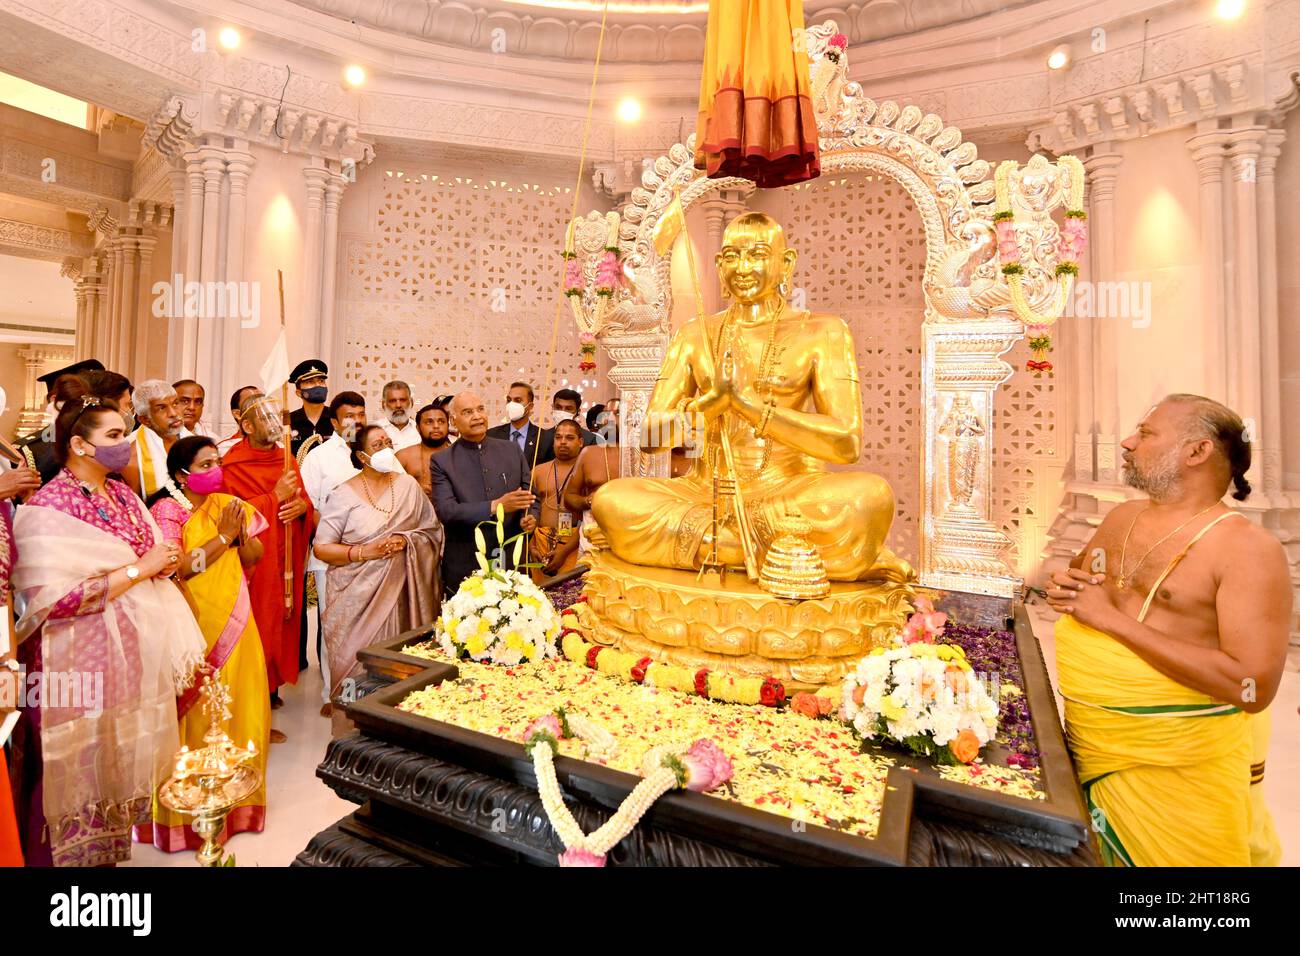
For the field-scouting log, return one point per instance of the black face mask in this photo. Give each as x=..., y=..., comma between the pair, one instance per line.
x=434, y=442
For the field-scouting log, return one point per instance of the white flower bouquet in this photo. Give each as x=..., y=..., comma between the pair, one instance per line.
x=922, y=696
x=498, y=615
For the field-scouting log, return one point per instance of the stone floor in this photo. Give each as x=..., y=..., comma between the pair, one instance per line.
x=299, y=805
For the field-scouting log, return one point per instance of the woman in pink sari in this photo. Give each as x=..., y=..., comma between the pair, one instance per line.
x=381, y=538
x=110, y=640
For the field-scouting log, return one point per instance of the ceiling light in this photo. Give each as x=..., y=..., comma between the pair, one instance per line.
x=629, y=109
x=1059, y=58
x=1230, y=9
x=355, y=75
x=228, y=38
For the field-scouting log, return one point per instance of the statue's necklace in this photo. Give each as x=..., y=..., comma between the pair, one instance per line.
x=1125, y=577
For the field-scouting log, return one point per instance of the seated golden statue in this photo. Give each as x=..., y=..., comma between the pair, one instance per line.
x=783, y=384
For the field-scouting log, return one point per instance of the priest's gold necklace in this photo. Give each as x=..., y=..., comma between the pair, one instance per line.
x=1126, y=577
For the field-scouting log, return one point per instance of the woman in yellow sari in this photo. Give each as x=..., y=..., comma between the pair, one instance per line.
x=218, y=537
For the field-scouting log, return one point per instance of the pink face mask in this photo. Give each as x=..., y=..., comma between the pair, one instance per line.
x=206, y=482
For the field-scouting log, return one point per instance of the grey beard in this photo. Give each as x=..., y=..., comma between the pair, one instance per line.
x=399, y=418
x=1160, y=482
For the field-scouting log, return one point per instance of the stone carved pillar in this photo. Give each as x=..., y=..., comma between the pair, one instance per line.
x=239, y=165
x=1270, y=332
x=637, y=358
x=964, y=546
x=1244, y=150
x=125, y=330
x=313, y=241
x=331, y=342
x=193, y=258
x=1103, y=172
x=175, y=319
x=1209, y=153
x=108, y=348
x=207, y=361
x=137, y=357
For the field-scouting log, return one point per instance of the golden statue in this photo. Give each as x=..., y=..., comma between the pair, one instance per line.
x=783, y=383
x=776, y=390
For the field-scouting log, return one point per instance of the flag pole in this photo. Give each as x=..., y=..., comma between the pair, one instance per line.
x=288, y=458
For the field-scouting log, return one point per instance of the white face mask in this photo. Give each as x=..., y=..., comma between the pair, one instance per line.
x=563, y=416
x=385, y=462
x=515, y=411
x=51, y=412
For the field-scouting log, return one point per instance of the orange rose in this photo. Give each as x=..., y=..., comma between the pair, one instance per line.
x=859, y=693
x=805, y=704
x=965, y=746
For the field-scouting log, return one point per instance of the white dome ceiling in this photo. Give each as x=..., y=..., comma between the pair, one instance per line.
x=637, y=31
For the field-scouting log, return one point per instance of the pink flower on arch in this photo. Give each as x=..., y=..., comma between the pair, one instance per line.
x=1008, y=246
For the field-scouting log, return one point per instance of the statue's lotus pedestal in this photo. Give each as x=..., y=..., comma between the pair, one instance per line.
x=736, y=627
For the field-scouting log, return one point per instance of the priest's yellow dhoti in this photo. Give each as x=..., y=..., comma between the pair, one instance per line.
x=1165, y=769
x=1265, y=846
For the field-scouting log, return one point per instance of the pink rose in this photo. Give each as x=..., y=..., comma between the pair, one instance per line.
x=1008, y=246
x=547, y=723
x=573, y=281
x=925, y=625
x=577, y=856
x=706, y=765
x=609, y=276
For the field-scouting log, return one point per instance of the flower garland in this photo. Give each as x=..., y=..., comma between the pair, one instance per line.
x=640, y=669
x=703, y=767
x=178, y=495
x=587, y=346
x=1069, y=247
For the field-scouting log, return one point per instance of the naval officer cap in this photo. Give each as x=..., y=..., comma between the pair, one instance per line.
x=308, y=368
x=89, y=365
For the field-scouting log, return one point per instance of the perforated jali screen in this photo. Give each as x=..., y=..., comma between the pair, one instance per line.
x=455, y=286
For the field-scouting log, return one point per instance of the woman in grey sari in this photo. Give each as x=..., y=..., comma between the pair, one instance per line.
x=381, y=539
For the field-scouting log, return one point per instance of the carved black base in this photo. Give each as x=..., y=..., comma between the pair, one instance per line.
x=434, y=795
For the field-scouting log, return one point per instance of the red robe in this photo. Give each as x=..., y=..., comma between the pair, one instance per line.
x=251, y=474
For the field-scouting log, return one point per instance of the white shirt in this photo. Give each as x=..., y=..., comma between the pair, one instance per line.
x=327, y=467
x=403, y=437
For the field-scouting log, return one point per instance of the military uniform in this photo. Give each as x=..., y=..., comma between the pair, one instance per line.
x=301, y=428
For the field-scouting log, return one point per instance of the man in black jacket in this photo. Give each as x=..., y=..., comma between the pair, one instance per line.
x=470, y=479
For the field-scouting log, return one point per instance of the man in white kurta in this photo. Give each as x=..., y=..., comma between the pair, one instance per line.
x=327, y=467
x=161, y=425
x=396, y=421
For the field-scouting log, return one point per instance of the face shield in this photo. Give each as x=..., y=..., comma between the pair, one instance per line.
x=264, y=414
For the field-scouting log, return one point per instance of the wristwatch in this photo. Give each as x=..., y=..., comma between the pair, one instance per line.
x=132, y=572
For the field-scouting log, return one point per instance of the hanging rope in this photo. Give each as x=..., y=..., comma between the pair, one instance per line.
x=573, y=214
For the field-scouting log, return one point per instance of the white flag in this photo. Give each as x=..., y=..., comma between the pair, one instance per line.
x=275, y=370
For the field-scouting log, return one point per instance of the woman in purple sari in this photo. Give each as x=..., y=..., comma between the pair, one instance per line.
x=109, y=640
